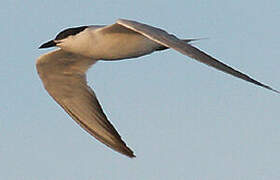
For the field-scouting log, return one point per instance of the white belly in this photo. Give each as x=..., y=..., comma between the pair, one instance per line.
x=111, y=46
x=122, y=45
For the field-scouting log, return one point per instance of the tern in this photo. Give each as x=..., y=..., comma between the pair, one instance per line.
x=63, y=71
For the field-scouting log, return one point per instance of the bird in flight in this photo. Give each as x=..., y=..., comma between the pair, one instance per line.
x=63, y=71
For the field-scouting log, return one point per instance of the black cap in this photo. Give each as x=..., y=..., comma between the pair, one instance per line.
x=48, y=44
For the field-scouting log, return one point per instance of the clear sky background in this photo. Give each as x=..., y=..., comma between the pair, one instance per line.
x=183, y=119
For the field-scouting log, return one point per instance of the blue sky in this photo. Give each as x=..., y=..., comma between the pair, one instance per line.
x=183, y=119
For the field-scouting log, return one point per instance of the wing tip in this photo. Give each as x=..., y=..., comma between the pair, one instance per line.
x=274, y=90
x=132, y=156
x=126, y=151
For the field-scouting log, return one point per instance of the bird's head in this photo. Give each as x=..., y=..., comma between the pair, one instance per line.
x=63, y=36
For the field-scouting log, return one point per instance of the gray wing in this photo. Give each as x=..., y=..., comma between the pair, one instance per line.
x=162, y=37
x=63, y=76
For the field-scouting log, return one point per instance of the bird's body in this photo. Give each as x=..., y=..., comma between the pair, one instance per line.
x=109, y=43
x=63, y=71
